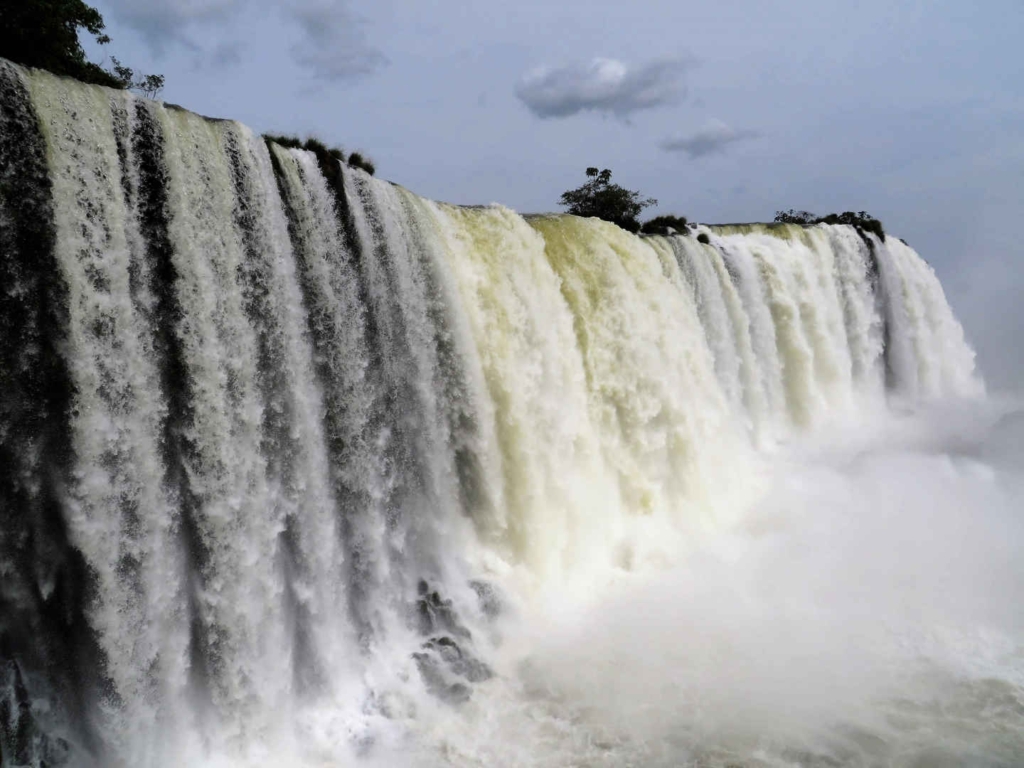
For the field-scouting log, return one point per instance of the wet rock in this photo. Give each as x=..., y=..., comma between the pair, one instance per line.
x=437, y=615
x=22, y=742
x=442, y=662
x=446, y=661
x=15, y=716
x=460, y=661
x=438, y=683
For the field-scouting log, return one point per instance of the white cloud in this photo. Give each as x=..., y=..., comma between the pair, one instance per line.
x=714, y=138
x=603, y=85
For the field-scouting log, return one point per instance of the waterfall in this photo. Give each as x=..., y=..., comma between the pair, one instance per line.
x=279, y=440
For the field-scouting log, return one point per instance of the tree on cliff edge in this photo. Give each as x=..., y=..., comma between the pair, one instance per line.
x=600, y=198
x=44, y=34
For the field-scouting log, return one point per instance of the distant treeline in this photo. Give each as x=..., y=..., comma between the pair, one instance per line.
x=600, y=198
x=862, y=220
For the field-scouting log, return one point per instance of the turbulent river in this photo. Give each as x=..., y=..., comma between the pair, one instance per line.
x=298, y=468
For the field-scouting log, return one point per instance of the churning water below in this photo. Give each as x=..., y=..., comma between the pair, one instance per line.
x=864, y=611
x=298, y=468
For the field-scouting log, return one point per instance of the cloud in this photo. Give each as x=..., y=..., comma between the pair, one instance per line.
x=714, y=138
x=333, y=45
x=167, y=21
x=603, y=85
x=221, y=56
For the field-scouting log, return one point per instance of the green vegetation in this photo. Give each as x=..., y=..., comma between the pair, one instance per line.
x=288, y=142
x=665, y=225
x=317, y=147
x=600, y=198
x=148, y=85
x=44, y=34
x=703, y=238
x=358, y=160
x=322, y=151
x=863, y=221
x=804, y=218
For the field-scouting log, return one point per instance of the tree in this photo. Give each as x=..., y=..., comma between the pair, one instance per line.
x=148, y=85
x=44, y=34
x=600, y=198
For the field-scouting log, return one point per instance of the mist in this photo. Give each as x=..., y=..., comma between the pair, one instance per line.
x=865, y=610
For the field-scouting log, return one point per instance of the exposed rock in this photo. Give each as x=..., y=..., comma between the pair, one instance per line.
x=446, y=662
x=459, y=660
x=22, y=741
x=438, y=683
x=437, y=615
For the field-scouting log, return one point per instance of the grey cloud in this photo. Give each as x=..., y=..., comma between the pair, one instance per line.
x=603, y=85
x=713, y=138
x=164, y=21
x=227, y=54
x=221, y=56
x=333, y=46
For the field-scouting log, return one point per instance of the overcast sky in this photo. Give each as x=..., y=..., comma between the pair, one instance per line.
x=723, y=111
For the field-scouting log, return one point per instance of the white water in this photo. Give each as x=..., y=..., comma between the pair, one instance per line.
x=742, y=503
x=864, y=611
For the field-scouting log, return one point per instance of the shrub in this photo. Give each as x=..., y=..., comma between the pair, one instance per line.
x=861, y=220
x=703, y=238
x=322, y=151
x=312, y=144
x=665, y=225
x=358, y=160
x=315, y=146
x=289, y=142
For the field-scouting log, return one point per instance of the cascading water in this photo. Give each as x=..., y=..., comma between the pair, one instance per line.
x=295, y=466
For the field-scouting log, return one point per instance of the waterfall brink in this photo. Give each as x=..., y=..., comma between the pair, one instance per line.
x=280, y=440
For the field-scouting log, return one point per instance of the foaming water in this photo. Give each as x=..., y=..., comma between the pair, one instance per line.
x=865, y=610
x=299, y=468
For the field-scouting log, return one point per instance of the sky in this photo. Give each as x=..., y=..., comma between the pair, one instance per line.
x=726, y=111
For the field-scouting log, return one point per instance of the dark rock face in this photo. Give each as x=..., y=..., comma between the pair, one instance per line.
x=22, y=741
x=437, y=615
x=439, y=683
x=45, y=583
x=444, y=662
x=459, y=661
